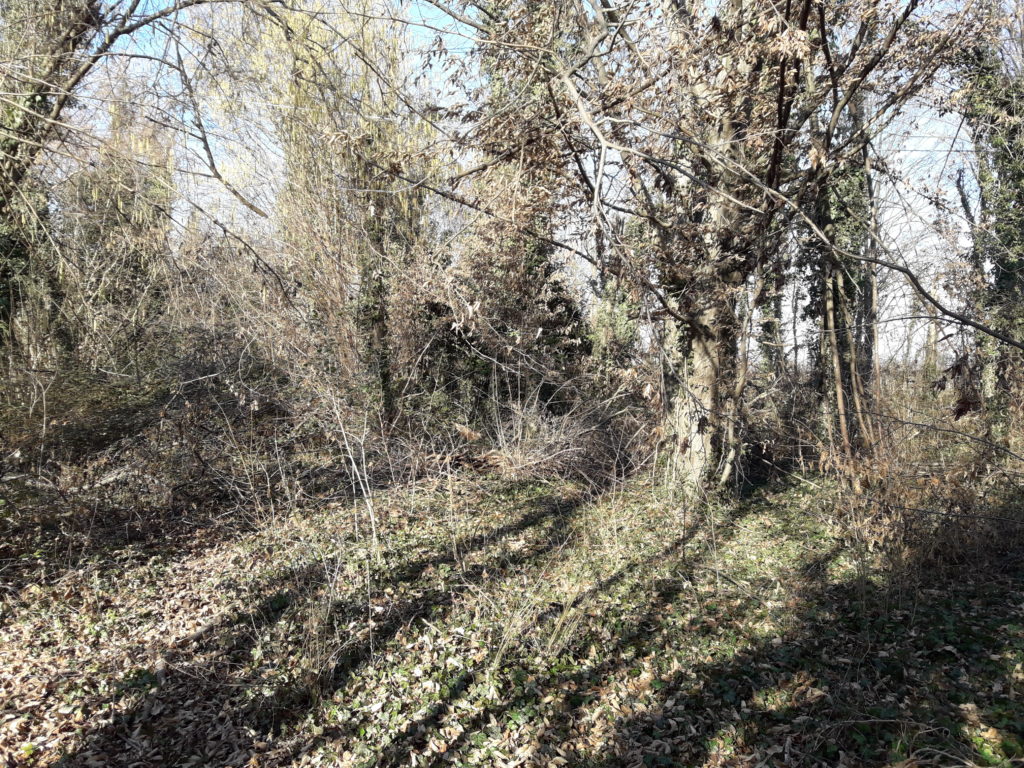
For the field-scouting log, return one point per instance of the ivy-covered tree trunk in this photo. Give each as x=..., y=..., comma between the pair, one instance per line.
x=844, y=297
x=44, y=38
x=372, y=318
x=703, y=408
x=992, y=106
x=47, y=35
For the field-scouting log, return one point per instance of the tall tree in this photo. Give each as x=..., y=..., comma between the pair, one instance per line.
x=993, y=105
x=49, y=49
x=696, y=118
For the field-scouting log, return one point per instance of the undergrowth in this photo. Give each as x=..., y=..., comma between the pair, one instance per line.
x=515, y=623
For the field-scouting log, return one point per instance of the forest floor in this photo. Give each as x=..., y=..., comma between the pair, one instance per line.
x=505, y=624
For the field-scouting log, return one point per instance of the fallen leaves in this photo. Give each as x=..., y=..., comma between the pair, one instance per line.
x=245, y=653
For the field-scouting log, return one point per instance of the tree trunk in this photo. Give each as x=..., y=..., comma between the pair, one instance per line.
x=373, y=320
x=704, y=403
x=695, y=405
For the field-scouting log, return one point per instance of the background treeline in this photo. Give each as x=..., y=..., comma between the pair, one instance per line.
x=262, y=255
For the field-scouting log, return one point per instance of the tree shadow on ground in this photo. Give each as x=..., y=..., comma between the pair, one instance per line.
x=864, y=672
x=420, y=732
x=202, y=703
x=118, y=481
x=43, y=522
x=868, y=673
x=864, y=677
